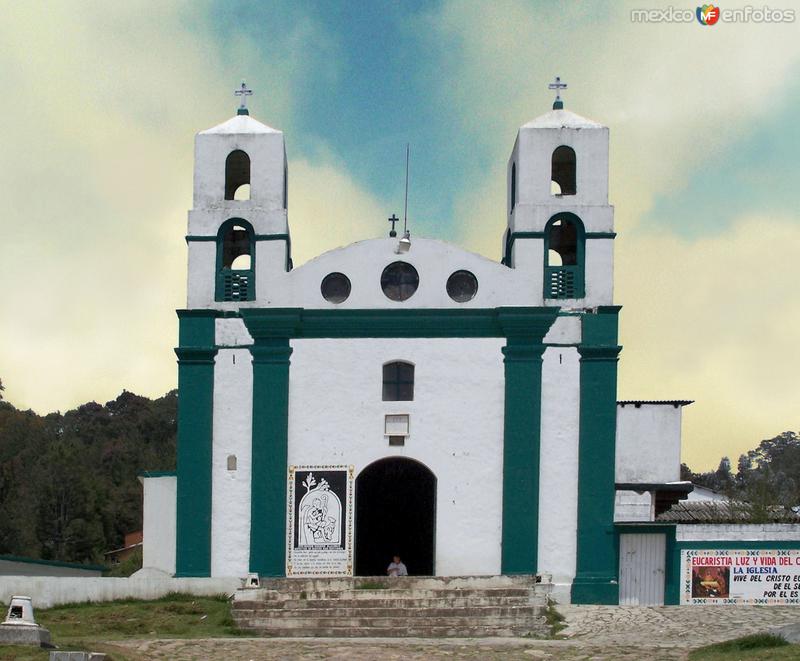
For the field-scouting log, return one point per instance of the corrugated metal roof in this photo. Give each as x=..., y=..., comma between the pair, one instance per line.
x=725, y=511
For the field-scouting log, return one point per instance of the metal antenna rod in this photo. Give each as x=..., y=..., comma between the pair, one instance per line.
x=405, y=208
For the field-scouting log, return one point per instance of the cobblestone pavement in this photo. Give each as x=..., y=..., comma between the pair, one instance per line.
x=594, y=633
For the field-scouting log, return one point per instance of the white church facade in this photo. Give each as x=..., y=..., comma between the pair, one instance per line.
x=402, y=395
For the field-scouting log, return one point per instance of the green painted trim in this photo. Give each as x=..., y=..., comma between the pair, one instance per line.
x=578, y=270
x=256, y=237
x=195, y=428
x=222, y=274
x=52, y=563
x=394, y=323
x=521, y=454
x=146, y=474
x=597, y=562
x=272, y=237
x=269, y=455
x=511, y=237
x=196, y=328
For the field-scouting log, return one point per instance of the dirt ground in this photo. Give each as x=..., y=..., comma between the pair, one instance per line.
x=596, y=633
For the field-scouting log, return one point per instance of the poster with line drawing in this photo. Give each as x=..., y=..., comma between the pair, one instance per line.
x=319, y=521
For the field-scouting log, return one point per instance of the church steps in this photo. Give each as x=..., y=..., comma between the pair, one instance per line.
x=426, y=607
x=423, y=602
x=388, y=611
x=404, y=631
x=393, y=595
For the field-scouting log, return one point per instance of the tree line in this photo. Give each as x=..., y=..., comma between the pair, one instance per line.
x=68, y=481
x=766, y=477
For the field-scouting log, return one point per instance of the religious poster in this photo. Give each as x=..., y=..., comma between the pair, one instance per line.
x=320, y=521
x=740, y=577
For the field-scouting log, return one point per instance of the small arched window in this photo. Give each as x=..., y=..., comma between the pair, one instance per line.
x=563, y=171
x=398, y=382
x=513, y=186
x=235, y=261
x=564, y=245
x=237, y=176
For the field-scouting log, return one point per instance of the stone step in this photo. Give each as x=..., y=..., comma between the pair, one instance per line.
x=393, y=612
x=463, y=631
x=388, y=593
x=370, y=621
x=426, y=602
x=405, y=582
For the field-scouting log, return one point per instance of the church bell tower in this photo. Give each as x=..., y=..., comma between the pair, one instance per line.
x=560, y=225
x=238, y=229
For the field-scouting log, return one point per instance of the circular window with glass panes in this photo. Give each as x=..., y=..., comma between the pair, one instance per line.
x=462, y=286
x=335, y=287
x=399, y=281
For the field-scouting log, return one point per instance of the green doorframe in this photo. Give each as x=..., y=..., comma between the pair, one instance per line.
x=195, y=433
x=597, y=562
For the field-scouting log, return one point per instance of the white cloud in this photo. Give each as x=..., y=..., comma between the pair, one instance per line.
x=96, y=171
x=705, y=319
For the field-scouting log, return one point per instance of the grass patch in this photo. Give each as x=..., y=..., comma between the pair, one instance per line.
x=371, y=585
x=79, y=626
x=756, y=646
x=554, y=619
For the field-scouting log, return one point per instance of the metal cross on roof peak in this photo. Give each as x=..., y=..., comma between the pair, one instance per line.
x=244, y=92
x=557, y=85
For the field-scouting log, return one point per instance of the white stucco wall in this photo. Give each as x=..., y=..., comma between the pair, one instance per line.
x=729, y=532
x=702, y=493
x=648, y=443
x=158, y=523
x=632, y=506
x=558, y=485
x=233, y=426
x=336, y=416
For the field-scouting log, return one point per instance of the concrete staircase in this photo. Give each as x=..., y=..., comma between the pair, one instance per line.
x=429, y=607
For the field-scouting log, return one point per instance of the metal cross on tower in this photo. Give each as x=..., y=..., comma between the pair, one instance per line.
x=244, y=92
x=394, y=219
x=557, y=85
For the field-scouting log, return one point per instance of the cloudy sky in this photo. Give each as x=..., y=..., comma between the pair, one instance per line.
x=101, y=102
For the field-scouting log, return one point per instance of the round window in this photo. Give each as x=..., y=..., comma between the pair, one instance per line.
x=462, y=286
x=399, y=281
x=335, y=287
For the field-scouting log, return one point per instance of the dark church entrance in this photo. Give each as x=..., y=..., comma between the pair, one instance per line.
x=395, y=515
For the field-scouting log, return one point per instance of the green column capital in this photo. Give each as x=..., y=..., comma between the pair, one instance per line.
x=270, y=351
x=600, y=353
x=196, y=355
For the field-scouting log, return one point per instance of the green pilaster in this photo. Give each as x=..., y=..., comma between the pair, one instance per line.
x=597, y=562
x=271, y=351
x=522, y=436
x=195, y=419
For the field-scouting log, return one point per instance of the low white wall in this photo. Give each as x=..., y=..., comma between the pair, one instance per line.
x=47, y=591
x=731, y=532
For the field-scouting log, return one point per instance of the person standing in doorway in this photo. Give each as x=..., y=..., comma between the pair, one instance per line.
x=396, y=567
